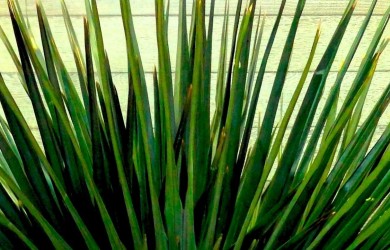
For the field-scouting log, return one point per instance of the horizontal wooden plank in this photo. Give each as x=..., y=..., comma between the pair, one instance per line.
x=380, y=81
x=146, y=7
x=145, y=29
x=378, y=133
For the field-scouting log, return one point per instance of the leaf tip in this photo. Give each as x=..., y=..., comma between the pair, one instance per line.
x=319, y=25
x=354, y=4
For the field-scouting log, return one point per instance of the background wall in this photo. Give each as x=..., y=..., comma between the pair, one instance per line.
x=328, y=12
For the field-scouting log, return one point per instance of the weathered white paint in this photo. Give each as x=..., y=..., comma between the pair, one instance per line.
x=146, y=7
x=145, y=27
x=328, y=11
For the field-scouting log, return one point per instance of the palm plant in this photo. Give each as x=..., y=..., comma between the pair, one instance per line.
x=177, y=171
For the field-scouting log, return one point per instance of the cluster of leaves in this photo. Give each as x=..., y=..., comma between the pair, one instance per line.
x=179, y=176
